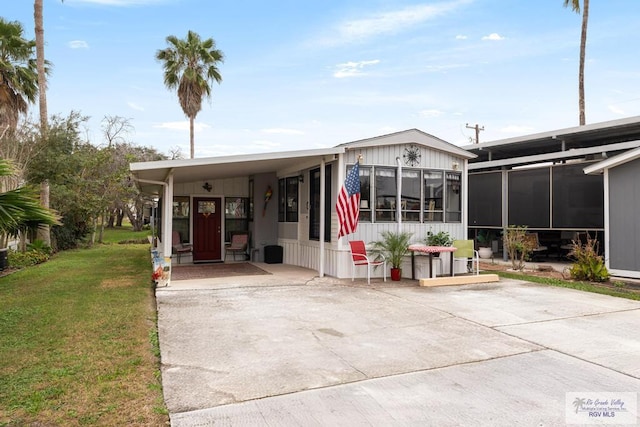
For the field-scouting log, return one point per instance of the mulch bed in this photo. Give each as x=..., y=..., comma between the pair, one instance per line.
x=214, y=271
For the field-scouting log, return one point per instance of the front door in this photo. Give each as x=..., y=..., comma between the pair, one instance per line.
x=207, y=233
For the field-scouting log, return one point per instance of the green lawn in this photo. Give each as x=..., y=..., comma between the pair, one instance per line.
x=78, y=341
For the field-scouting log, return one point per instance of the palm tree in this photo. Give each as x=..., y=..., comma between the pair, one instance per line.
x=20, y=209
x=190, y=65
x=18, y=74
x=44, y=233
x=575, y=6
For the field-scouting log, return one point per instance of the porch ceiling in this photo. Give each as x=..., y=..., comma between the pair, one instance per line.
x=203, y=169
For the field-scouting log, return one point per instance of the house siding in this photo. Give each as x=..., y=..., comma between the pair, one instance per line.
x=624, y=228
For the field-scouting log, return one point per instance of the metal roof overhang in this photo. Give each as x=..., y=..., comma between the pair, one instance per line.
x=150, y=175
x=595, y=137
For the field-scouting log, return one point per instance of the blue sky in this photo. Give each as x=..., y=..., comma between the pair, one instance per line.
x=311, y=74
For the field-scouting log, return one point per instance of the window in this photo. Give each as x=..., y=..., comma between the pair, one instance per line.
x=365, y=194
x=288, y=199
x=410, y=200
x=385, y=189
x=180, y=221
x=236, y=215
x=314, y=201
x=453, y=199
x=433, y=206
x=427, y=195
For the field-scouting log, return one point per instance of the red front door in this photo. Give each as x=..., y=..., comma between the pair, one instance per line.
x=207, y=233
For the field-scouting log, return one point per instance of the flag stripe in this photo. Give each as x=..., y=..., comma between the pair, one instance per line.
x=348, y=205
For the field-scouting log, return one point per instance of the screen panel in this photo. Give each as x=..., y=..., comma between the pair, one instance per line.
x=578, y=199
x=529, y=198
x=485, y=199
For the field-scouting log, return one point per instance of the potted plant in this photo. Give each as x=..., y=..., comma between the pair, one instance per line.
x=441, y=238
x=393, y=246
x=484, y=239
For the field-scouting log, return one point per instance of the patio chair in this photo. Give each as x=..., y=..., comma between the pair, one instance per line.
x=178, y=247
x=359, y=257
x=534, y=244
x=466, y=251
x=238, y=245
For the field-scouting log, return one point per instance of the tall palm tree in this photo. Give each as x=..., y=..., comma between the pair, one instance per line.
x=575, y=6
x=190, y=65
x=18, y=74
x=42, y=76
x=44, y=233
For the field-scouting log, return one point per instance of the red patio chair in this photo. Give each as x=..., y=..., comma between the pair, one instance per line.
x=359, y=257
x=178, y=247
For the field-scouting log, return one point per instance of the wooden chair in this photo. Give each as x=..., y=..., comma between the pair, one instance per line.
x=239, y=243
x=359, y=257
x=534, y=244
x=466, y=251
x=178, y=247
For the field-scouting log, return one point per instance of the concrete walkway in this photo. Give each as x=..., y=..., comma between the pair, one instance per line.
x=291, y=349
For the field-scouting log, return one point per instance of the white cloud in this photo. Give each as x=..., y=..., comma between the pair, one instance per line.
x=461, y=37
x=265, y=144
x=78, y=44
x=352, y=69
x=616, y=110
x=431, y=113
x=389, y=22
x=516, y=129
x=184, y=125
x=493, y=37
x=135, y=106
x=283, y=131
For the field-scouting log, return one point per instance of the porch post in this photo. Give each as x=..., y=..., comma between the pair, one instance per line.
x=399, y=196
x=167, y=217
x=323, y=202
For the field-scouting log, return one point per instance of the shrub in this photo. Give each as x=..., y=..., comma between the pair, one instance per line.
x=39, y=246
x=441, y=238
x=588, y=264
x=26, y=259
x=517, y=245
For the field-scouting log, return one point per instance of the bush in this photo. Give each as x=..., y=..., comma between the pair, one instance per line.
x=517, y=245
x=589, y=265
x=26, y=259
x=441, y=238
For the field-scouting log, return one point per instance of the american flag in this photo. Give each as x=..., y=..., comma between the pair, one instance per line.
x=348, y=205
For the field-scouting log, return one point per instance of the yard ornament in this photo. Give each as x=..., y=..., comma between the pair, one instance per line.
x=267, y=197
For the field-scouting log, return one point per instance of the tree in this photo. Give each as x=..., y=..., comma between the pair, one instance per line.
x=44, y=233
x=20, y=209
x=575, y=6
x=190, y=65
x=18, y=74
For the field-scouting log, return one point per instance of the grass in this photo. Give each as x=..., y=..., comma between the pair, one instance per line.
x=78, y=340
x=615, y=290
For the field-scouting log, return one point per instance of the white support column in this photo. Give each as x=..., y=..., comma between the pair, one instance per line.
x=167, y=217
x=323, y=202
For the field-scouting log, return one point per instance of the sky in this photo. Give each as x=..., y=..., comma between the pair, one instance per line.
x=301, y=74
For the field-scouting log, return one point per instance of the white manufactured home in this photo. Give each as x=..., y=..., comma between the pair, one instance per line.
x=286, y=200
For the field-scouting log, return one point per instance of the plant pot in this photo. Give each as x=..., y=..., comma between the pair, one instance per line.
x=396, y=274
x=485, y=253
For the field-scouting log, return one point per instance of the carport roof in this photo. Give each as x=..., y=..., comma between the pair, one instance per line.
x=582, y=139
x=150, y=174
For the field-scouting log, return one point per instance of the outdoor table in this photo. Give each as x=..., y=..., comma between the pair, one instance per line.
x=429, y=250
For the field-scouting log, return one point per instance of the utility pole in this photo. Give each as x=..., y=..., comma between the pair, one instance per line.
x=477, y=129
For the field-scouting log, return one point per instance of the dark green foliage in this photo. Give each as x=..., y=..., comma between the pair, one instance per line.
x=588, y=264
x=441, y=238
x=26, y=259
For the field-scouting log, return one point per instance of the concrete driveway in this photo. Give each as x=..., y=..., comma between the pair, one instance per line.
x=291, y=349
